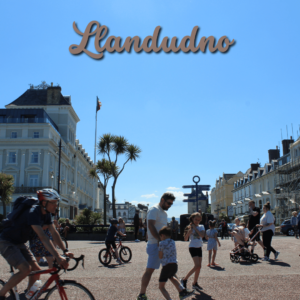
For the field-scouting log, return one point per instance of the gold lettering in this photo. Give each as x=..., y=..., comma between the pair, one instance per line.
x=101, y=33
x=203, y=43
x=227, y=43
x=164, y=45
x=153, y=39
x=116, y=45
x=191, y=39
x=128, y=44
x=77, y=49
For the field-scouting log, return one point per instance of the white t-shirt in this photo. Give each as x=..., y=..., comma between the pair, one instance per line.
x=195, y=239
x=161, y=219
x=247, y=232
x=267, y=218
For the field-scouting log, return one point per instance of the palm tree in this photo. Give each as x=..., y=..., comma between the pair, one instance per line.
x=103, y=168
x=6, y=190
x=109, y=144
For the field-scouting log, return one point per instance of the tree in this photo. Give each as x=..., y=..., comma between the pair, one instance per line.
x=103, y=168
x=6, y=190
x=208, y=209
x=88, y=217
x=117, y=145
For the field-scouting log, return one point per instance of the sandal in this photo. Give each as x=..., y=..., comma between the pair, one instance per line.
x=209, y=264
x=215, y=264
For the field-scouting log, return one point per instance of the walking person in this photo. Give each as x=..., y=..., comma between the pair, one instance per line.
x=194, y=232
x=224, y=228
x=174, y=227
x=212, y=237
x=254, y=220
x=268, y=230
x=136, y=224
x=141, y=227
x=145, y=227
x=294, y=223
x=167, y=254
x=156, y=218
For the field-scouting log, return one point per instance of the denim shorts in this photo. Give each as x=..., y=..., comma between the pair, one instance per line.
x=153, y=259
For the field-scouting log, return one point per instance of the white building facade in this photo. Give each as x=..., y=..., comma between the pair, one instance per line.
x=31, y=128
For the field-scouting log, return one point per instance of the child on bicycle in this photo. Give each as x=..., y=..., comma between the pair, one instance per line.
x=110, y=238
x=167, y=254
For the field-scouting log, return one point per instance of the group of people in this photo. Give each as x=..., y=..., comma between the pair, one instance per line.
x=161, y=249
x=264, y=223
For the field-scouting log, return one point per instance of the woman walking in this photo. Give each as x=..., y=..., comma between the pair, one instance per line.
x=268, y=229
x=294, y=223
x=195, y=233
x=121, y=226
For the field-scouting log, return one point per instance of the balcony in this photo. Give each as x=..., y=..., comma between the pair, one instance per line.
x=30, y=190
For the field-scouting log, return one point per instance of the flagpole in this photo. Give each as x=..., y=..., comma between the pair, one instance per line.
x=95, y=132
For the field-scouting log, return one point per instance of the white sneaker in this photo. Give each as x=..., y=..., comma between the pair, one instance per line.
x=276, y=254
x=42, y=261
x=137, y=240
x=266, y=258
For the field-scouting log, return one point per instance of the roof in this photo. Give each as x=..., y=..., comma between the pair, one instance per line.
x=37, y=97
x=228, y=176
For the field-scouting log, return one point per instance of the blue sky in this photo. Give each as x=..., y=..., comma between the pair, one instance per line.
x=191, y=114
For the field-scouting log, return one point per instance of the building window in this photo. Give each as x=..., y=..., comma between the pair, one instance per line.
x=260, y=204
x=124, y=214
x=33, y=180
x=119, y=214
x=12, y=157
x=34, y=157
x=36, y=135
x=14, y=135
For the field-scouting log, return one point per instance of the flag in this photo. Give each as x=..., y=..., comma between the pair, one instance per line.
x=98, y=105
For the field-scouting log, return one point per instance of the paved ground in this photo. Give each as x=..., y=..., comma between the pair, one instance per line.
x=262, y=280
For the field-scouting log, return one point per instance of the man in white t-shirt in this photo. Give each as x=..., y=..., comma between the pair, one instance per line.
x=156, y=219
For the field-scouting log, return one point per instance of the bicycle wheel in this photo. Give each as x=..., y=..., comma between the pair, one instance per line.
x=73, y=290
x=125, y=254
x=104, y=257
x=10, y=295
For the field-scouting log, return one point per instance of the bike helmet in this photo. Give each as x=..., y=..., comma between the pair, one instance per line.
x=114, y=221
x=48, y=195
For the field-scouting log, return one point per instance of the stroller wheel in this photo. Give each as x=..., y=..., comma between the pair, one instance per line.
x=236, y=258
x=254, y=257
x=232, y=257
x=247, y=257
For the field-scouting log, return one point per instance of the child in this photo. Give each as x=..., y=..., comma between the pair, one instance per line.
x=110, y=238
x=195, y=233
x=167, y=254
x=212, y=237
x=237, y=224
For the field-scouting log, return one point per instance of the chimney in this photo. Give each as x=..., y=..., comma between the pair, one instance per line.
x=53, y=94
x=286, y=145
x=254, y=167
x=273, y=154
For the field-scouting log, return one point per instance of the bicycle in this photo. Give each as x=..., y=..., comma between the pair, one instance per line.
x=125, y=254
x=63, y=289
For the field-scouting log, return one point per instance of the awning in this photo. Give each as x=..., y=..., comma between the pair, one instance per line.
x=257, y=195
x=265, y=193
x=240, y=202
x=233, y=204
x=247, y=199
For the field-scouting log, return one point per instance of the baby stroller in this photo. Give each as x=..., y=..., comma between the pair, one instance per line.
x=242, y=251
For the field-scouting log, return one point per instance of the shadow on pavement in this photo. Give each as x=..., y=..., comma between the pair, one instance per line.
x=217, y=268
x=202, y=296
x=279, y=263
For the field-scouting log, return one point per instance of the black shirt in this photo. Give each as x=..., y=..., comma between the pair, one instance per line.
x=21, y=231
x=111, y=233
x=253, y=221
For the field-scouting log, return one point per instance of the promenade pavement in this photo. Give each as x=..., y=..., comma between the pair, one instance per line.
x=231, y=281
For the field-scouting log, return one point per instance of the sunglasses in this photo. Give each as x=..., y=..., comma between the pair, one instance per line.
x=169, y=203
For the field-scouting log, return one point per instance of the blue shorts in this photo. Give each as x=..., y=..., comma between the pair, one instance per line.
x=153, y=259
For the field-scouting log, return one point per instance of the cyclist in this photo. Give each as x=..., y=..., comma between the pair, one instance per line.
x=110, y=238
x=14, y=237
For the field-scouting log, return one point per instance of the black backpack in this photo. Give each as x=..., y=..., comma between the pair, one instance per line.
x=21, y=204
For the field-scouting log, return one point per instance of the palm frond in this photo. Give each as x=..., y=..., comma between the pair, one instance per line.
x=132, y=152
x=120, y=144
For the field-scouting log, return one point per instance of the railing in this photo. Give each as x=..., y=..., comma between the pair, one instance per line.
x=29, y=190
x=28, y=120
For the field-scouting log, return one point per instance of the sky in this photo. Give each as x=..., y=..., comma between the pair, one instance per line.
x=190, y=113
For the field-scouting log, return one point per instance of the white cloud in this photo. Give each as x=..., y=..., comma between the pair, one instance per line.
x=148, y=196
x=173, y=188
x=179, y=195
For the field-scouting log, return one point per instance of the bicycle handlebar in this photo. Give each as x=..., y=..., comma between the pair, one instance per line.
x=77, y=259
